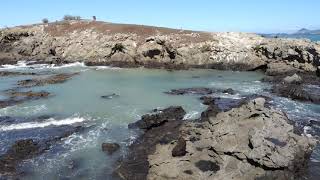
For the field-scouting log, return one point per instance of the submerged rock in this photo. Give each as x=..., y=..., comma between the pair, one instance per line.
x=21, y=150
x=55, y=79
x=197, y=91
x=18, y=97
x=10, y=73
x=110, y=148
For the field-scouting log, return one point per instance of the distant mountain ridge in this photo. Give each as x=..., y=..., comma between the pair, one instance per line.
x=307, y=31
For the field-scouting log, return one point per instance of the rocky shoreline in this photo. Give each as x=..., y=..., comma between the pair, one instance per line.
x=249, y=141
x=99, y=43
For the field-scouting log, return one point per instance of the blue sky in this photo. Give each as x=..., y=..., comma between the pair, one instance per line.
x=208, y=15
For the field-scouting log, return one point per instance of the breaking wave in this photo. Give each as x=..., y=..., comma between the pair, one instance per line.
x=49, y=122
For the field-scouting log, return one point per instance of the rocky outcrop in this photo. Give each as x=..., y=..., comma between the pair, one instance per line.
x=98, y=43
x=246, y=142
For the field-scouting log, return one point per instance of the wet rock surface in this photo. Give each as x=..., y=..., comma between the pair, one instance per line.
x=54, y=79
x=150, y=121
x=196, y=91
x=110, y=148
x=199, y=91
x=136, y=165
x=28, y=148
x=249, y=141
x=301, y=86
x=21, y=150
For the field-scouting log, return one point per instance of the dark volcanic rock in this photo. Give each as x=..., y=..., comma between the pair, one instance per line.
x=229, y=91
x=180, y=148
x=136, y=165
x=150, y=121
x=196, y=91
x=110, y=148
x=55, y=79
x=110, y=96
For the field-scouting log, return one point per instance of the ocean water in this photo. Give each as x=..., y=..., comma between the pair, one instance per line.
x=312, y=37
x=78, y=102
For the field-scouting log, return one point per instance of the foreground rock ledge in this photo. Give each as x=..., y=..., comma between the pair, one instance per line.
x=248, y=142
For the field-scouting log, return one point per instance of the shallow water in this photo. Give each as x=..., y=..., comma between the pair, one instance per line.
x=78, y=102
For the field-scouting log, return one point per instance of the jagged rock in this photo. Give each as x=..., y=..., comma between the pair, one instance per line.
x=248, y=142
x=292, y=79
x=280, y=68
x=318, y=71
x=150, y=121
x=136, y=164
x=110, y=148
x=297, y=92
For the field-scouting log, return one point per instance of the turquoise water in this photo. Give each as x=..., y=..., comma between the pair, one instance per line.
x=78, y=102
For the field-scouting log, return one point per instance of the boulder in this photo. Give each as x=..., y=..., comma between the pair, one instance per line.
x=180, y=148
x=293, y=79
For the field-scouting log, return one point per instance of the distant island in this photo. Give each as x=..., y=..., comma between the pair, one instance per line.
x=307, y=31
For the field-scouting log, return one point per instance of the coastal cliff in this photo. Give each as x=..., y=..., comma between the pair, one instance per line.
x=100, y=43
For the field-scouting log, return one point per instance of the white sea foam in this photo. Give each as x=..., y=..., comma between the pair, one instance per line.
x=49, y=122
x=19, y=65
x=24, y=65
x=105, y=67
x=191, y=115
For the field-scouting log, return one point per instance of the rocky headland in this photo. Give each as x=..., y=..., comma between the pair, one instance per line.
x=100, y=43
